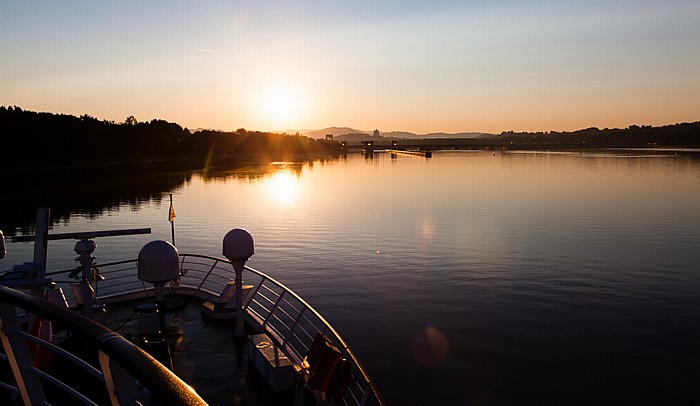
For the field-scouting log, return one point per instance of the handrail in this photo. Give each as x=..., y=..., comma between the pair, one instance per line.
x=307, y=307
x=66, y=355
x=135, y=361
x=205, y=277
x=328, y=326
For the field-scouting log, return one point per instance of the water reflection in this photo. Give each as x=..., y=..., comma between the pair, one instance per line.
x=283, y=187
x=87, y=198
x=91, y=198
x=504, y=275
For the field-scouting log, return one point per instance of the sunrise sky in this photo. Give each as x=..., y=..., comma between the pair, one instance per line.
x=420, y=66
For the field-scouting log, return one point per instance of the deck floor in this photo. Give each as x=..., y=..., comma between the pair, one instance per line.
x=204, y=353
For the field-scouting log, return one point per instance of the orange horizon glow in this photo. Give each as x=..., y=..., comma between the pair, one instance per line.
x=440, y=66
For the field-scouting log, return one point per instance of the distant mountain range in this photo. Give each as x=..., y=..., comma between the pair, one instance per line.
x=335, y=131
x=353, y=133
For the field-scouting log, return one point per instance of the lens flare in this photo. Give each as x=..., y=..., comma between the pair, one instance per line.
x=430, y=347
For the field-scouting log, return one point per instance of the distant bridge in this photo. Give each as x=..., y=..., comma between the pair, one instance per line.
x=419, y=144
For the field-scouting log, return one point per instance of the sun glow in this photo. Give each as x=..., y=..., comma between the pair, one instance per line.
x=281, y=106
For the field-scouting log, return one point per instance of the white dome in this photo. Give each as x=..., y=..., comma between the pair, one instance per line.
x=158, y=262
x=85, y=247
x=238, y=245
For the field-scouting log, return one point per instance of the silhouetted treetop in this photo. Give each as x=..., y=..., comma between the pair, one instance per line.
x=46, y=138
x=675, y=135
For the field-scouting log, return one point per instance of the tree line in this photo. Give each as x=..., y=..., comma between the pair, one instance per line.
x=683, y=135
x=47, y=139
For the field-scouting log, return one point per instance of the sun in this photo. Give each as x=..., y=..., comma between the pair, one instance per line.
x=281, y=106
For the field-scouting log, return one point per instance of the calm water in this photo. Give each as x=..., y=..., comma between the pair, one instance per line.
x=471, y=277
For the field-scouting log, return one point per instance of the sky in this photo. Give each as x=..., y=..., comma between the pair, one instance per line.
x=419, y=66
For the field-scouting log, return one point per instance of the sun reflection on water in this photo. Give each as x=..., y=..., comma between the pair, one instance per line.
x=283, y=187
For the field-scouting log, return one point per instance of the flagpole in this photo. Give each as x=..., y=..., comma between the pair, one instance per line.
x=171, y=218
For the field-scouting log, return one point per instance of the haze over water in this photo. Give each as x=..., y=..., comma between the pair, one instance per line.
x=471, y=277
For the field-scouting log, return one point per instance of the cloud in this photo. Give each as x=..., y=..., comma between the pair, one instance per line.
x=200, y=50
x=193, y=58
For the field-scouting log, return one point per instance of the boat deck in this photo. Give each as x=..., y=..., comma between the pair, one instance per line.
x=268, y=366
x=204, y=353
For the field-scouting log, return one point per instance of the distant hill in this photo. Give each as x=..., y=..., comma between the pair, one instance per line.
x=407, y=135
x=356, y=138
x=352, y=133
x=457, y=135
x=335, y=131
x=397, y=134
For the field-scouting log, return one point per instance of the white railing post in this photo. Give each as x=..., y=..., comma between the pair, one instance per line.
x=120, y=384
x=269, y=314
x=204, y=279
x=291, y=329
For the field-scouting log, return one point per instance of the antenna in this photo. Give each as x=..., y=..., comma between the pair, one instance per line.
x=84, y=248
x=85, y=235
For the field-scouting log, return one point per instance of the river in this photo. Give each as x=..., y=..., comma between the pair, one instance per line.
x=469, y=278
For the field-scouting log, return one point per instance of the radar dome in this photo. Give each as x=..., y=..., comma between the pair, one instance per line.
x=158, y=262
x=238, y=245
x=85, y=247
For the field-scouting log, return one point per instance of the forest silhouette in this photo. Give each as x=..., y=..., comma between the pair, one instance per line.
x=42, y=140
x=36, y=141
x=85, y=165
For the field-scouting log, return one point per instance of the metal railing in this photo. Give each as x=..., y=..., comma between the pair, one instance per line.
x=269, y=306
x=104, y=369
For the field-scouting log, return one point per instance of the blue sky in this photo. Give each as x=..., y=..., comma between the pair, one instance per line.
x=395, y=65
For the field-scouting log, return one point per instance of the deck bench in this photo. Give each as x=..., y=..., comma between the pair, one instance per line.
x=272, y=364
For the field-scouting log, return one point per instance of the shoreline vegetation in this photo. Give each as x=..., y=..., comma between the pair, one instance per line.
x=87, y=166
x=683, y=135
x=65, y=147
x=62, y=145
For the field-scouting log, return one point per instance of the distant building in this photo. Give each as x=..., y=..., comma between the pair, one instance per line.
x=376, y=133
x=329, y=137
